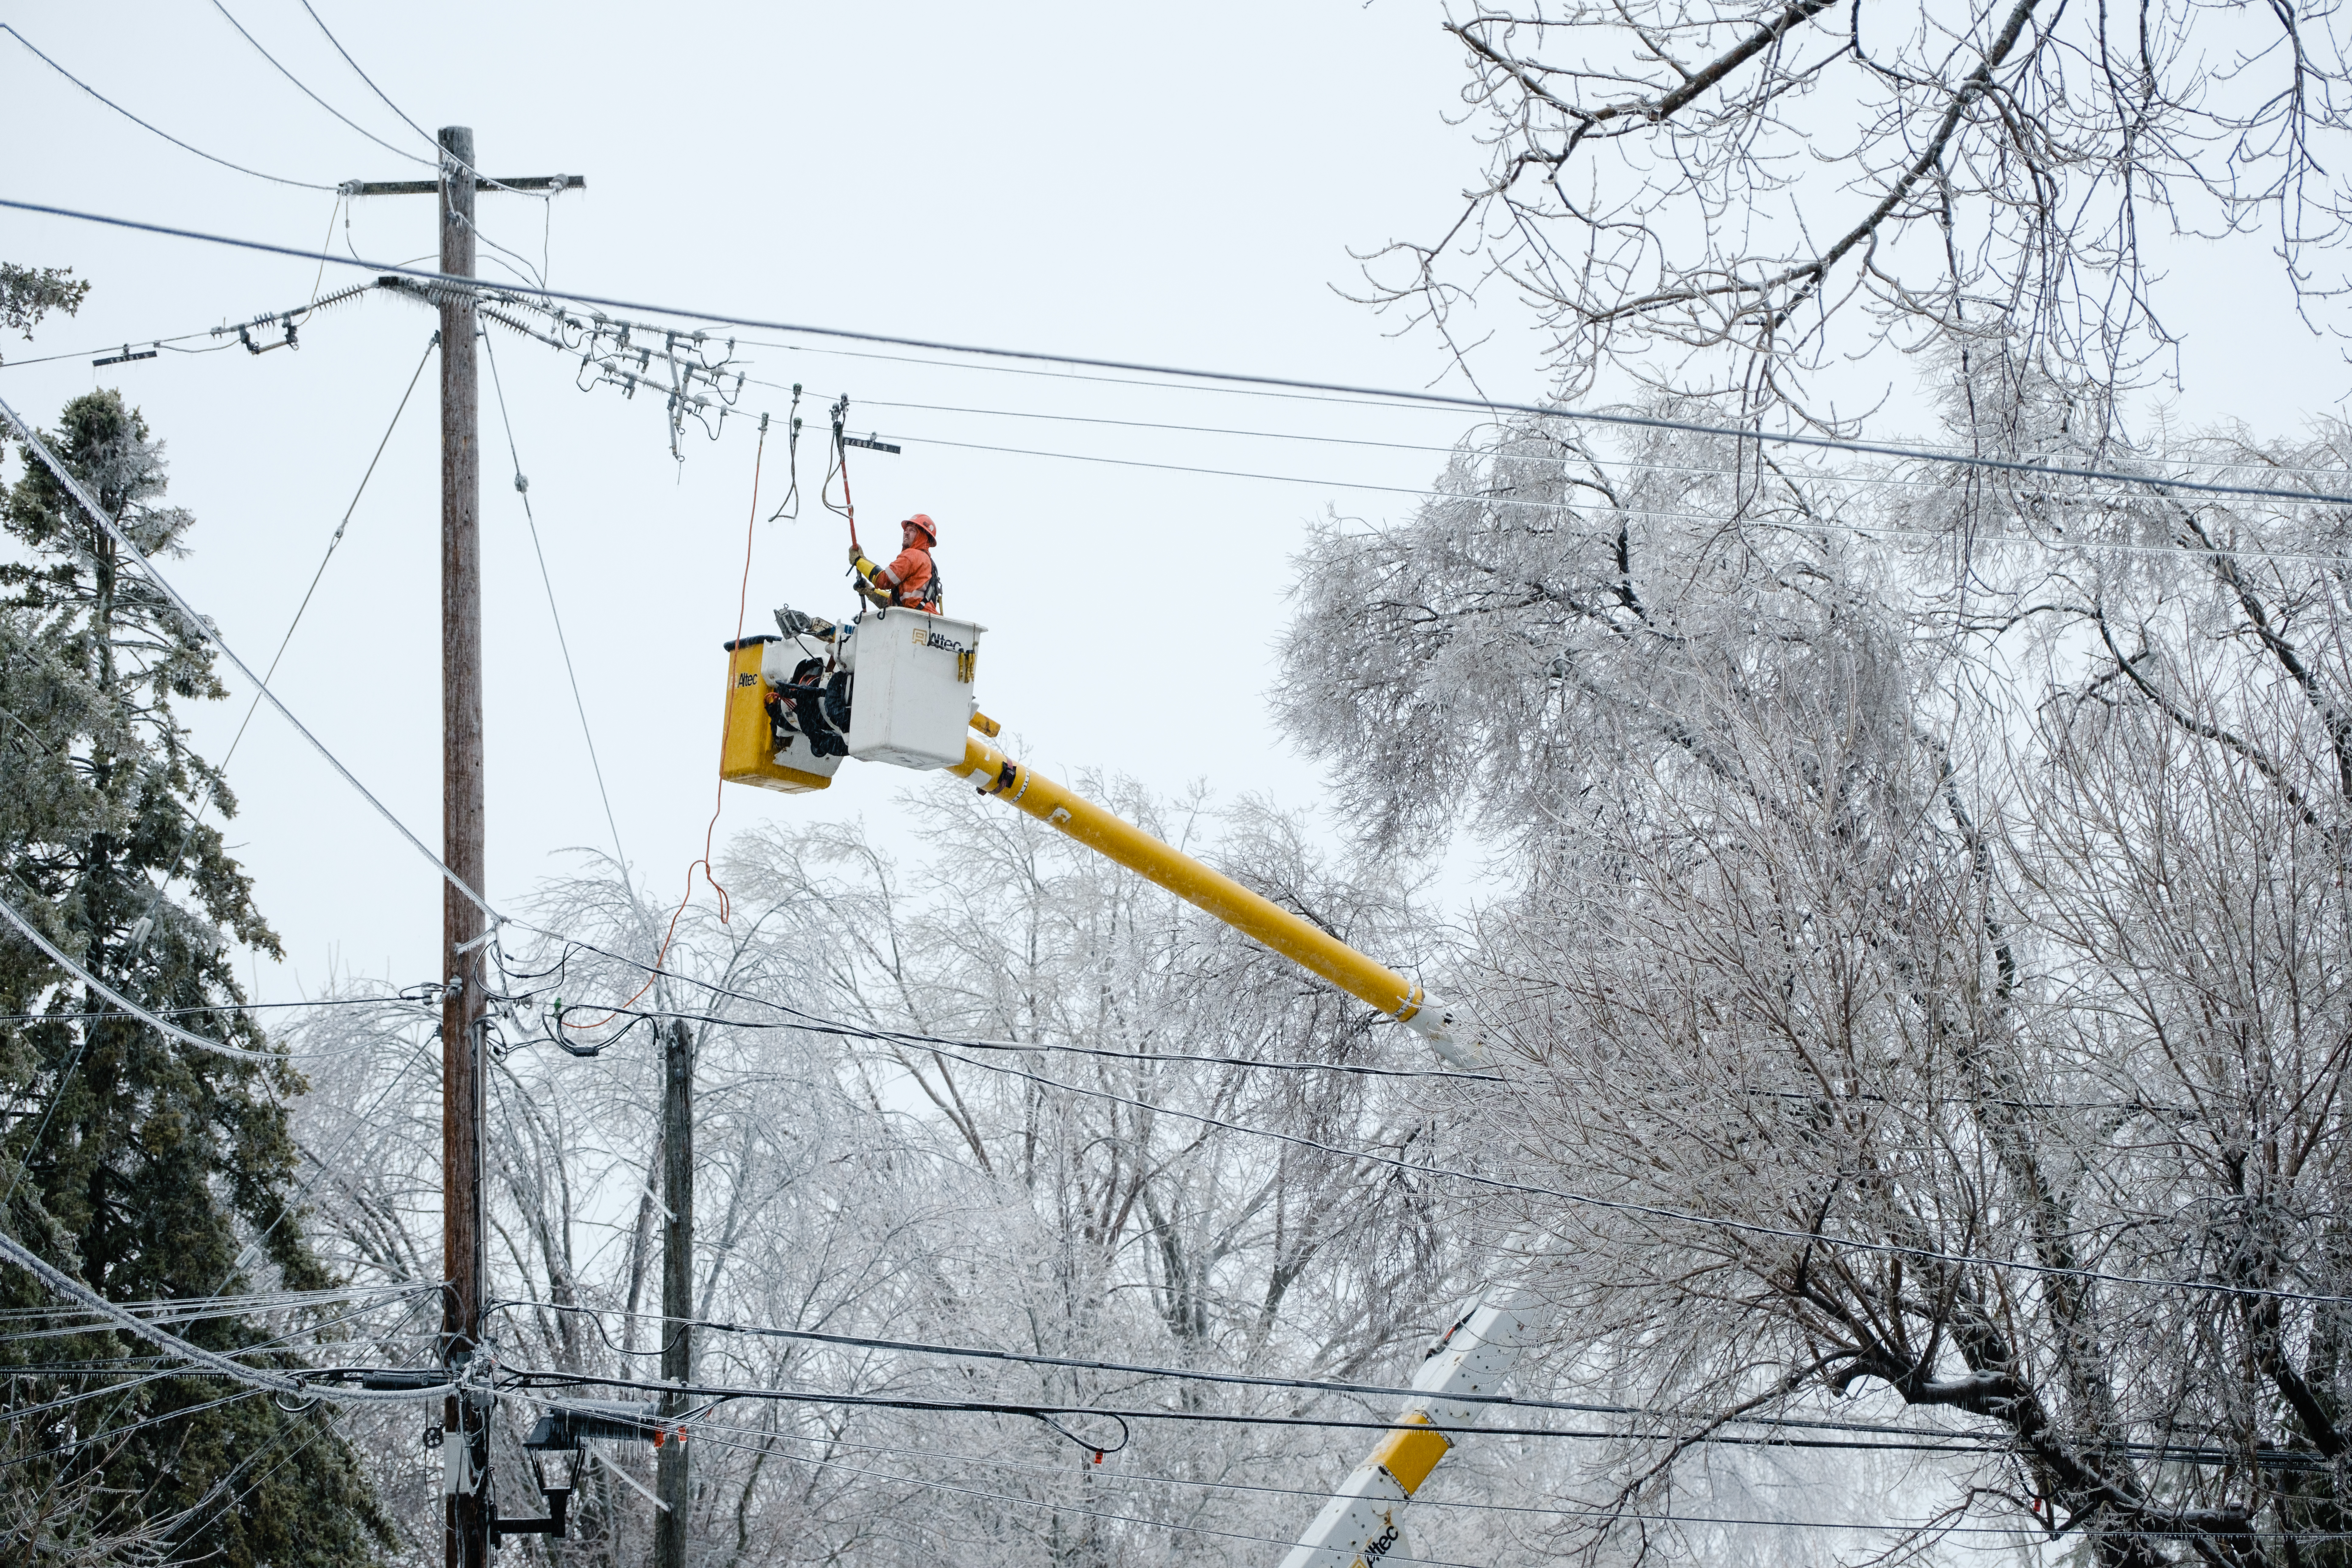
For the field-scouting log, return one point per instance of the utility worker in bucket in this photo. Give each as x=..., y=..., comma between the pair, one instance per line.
x=909, y=581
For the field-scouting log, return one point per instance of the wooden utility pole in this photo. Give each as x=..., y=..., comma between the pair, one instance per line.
x=464, y=1258
x=671, y=1481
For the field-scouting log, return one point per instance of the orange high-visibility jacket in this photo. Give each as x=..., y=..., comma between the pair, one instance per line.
x=909, y=577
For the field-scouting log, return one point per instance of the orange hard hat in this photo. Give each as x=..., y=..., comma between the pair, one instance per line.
x=922, y=522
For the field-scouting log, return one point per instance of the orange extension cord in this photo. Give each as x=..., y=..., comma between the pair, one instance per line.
x=726, y=909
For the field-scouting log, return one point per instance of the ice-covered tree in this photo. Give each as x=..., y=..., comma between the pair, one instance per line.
x=1732, y=197
x=1925, y=902
x=149, y=1168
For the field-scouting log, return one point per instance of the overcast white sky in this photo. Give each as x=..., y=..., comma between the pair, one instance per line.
x=1166, y=184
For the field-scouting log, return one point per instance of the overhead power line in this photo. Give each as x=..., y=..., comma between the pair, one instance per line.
x=1134, y=1478
x=299, y=314
x=1500, y=496
x=73, y=1290
x=529, y=1378
x=370, y=81
x=1810, y=522
x=1623, y=1205
x=313, y=97
x=63, y=961
x=1635, y=465
x=139, y=1365
x=841, y=1027
x=1397, y=1557
x=435, y=141
x=2089, y=1529
x=1369, y=400
x=179, y=1309
x=812, y=1023
x=227, y=1007
x=185, y=147
x=107, y=1434
x=1247, y=1380
x=149, y=1372
x=1247, y=378
x=1901, y=1441
x=1686, y=1217
x=916, y=1042
x=170, y=343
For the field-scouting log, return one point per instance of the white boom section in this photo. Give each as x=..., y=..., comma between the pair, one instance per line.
x=1358, y=1526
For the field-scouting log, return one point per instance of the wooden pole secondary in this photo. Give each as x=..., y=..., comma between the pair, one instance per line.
x=672, y=1484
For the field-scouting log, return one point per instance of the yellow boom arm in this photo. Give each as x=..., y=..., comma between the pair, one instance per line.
x=1361, y=1524
x=1300, y=941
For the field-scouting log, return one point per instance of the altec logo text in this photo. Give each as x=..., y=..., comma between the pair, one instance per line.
x=926, y=638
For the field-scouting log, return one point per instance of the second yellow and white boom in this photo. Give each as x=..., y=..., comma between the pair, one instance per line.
x=897, y=686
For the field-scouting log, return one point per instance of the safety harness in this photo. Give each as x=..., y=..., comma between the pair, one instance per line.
x=928, y=599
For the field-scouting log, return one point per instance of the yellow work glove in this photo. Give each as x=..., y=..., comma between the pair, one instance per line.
x=861, y=565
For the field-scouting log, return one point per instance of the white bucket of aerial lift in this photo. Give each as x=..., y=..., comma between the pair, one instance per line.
x=910, y=700
x=1361, y=1525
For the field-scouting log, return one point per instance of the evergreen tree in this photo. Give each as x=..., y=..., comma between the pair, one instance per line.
x=28, y=293
x=149, y=1168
